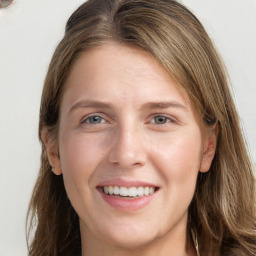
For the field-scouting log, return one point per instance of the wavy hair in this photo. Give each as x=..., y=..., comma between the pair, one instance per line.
x=222, y=212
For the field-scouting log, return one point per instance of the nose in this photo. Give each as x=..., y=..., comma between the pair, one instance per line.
x=128, y=150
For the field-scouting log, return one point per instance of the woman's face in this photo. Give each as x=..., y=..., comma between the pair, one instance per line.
x=130, y=147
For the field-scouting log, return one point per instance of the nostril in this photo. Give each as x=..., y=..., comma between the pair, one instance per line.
x=5, y=3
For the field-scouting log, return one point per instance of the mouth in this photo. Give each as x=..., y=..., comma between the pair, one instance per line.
x=128, y=195
x=128, y=192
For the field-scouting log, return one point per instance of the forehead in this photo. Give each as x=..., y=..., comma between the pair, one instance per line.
x=121, y=69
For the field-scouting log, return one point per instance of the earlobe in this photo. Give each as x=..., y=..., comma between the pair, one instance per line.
x=52, y=151
x=209, y=149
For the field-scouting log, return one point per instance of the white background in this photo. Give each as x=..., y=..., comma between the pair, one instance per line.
x=29, y=32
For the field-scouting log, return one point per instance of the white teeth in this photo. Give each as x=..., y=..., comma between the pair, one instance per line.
x=110, y=190
x=128, y=192
x=146, y=191
x=105, y=190
x=123, y=191
x=133, y=192
x=141, y=191
x=116, y=190
x=151, y=190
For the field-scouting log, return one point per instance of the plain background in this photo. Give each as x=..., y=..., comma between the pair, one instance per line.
x=29, y=33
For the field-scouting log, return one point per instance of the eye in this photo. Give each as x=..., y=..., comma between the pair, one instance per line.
x=94, y=120
x=161, y=120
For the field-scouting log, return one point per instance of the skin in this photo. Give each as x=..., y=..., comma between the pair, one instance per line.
x=128, y=142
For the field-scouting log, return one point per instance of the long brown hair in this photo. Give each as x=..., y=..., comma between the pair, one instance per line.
x=222, y=212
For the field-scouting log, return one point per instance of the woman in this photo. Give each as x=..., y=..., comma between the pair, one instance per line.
x=142, y=152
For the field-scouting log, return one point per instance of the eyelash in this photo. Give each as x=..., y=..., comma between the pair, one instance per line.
x=167, y=120
x=84, y=121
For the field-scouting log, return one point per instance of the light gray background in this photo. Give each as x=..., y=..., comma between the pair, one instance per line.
x=29, y=32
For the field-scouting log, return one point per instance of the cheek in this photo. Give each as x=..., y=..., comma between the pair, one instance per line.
x=80, y=157
x=178, y=158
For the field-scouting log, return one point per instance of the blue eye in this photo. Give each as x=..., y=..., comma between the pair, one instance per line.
x=160, y=120
x=94, y=120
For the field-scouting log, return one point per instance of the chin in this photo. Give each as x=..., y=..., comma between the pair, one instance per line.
x=132, y=242
x=128, y=236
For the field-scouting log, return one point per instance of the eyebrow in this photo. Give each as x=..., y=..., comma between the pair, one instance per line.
x=148, y=105
x=90, y=104
x=164, y=105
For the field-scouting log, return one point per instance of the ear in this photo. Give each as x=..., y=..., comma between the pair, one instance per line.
x=209, y=148
x=52, y=151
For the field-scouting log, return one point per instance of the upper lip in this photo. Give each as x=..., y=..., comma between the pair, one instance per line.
x=126, y=183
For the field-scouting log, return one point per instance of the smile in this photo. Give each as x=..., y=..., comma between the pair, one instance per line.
x=129, y=196
x=130, y=192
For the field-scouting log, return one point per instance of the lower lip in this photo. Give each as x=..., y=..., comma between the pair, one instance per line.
x=127, y=204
